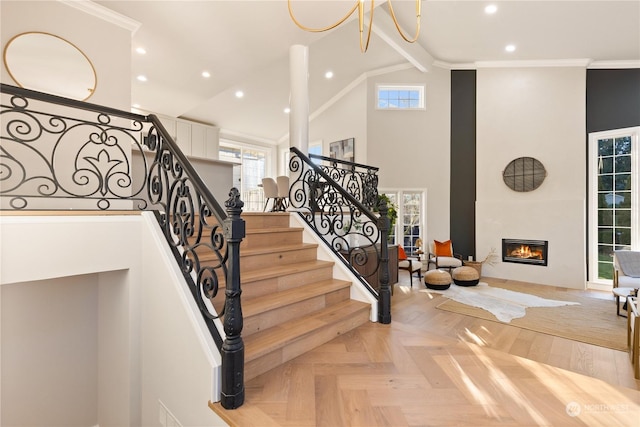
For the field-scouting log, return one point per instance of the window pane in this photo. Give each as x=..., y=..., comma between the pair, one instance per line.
x=605, y=270
x=623, y=218
x=606, y=165
x=605, y=235
x=605, y=147
x=623, y=181
x=605, y=217
x=623, y=164
x=605, y=182
x=623, y=236
x=624, y=199
x=623, y=145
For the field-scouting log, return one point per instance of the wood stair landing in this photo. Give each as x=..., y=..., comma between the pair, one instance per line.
x=291, y=303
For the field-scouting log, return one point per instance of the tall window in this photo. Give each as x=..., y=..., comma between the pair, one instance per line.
x=410, y=223
x=614, y=188
x=253, y=166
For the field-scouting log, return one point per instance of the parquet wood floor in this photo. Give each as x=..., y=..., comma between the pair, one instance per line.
x=435, y=368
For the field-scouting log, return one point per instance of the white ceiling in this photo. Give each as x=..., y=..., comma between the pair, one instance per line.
x=244, y=45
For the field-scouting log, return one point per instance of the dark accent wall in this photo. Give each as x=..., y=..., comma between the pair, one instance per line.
x=613, y=99
x=463, y=162
x=613, y=102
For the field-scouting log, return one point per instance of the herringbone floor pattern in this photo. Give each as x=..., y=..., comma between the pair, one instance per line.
x=434, y=368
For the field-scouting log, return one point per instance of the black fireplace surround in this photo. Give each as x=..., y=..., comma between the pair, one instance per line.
x=522, y=251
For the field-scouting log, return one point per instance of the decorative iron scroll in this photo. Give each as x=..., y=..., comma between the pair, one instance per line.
x=338, y=215
x=60, y=154
x=361, y=181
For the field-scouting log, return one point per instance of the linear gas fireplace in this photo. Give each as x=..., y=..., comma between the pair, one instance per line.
x=525, y=251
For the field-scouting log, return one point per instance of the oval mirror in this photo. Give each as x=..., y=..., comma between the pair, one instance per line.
x=51, y=64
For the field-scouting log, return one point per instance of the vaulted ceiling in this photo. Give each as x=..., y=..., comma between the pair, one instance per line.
x=244, y=45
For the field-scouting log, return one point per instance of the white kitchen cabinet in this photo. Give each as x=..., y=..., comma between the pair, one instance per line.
x=183, y=136
x=198, y=141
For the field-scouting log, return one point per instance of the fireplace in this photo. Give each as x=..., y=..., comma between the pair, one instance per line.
x=525, y=251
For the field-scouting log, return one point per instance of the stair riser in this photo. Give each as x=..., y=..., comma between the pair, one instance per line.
x=266, y=240
x=265, y=220
x=269, y=361
x=286, y=313
x=259, y=288
x=254, y=262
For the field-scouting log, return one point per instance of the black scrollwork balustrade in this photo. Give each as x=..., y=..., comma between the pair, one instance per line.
x=59, y=154
x=337, y=214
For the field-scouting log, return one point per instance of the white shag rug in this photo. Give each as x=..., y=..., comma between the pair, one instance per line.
x=502, y=303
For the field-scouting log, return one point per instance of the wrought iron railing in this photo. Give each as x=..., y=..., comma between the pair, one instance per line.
x=361, y=181
x=60, y=154
x=348, y=227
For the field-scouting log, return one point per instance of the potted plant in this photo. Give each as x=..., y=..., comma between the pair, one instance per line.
x=392, y=212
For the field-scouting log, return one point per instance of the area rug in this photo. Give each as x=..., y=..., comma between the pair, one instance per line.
x=561, y=314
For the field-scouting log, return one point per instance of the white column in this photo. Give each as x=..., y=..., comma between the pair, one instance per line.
x=299, y=98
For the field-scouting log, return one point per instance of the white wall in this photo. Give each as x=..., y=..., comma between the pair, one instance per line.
x=50, y=352
x=347, y=118
x=108, y=48
x=110, y=292
x=540, y=113
x=412, y=148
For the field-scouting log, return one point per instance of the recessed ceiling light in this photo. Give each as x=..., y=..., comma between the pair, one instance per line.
x=328, y=74
x=206, y=74
x=287, y=110
x=490, y=9
x=142, y=78
x=510, y=47
x=141, y=50
x=239, y=94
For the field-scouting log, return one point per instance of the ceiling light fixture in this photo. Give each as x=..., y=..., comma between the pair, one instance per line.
x=328, y=74
x=141, y=50
x=287, y=110
x=490, y=9
x=510, y=48
x=239, y=94
x=359, y=6
x=142, y=78
x=206, y=74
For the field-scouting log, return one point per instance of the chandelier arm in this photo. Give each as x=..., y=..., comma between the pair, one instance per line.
x=395, y=21
x=364, y=48
x=327, y=28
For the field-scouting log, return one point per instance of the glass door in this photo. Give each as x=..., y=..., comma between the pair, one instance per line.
x=614, y=188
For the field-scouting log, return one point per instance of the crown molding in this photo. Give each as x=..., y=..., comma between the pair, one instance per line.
x=534, y=63
x=104, y=13
x=595, y=65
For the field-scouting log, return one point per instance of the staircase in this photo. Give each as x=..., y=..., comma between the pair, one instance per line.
x=290, y=301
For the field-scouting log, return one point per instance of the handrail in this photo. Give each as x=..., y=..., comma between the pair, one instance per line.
x=363, y=185
x=343, y=222
x=343, y=162
x=60, y=154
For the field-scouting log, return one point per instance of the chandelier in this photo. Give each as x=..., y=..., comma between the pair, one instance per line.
x=360, y=6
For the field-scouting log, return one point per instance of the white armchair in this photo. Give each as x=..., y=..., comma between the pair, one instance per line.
x=626, y=274
x=441, y=255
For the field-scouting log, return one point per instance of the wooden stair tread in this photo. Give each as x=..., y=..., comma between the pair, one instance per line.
x=269, y=340
x=273, y=230
x=266, y=303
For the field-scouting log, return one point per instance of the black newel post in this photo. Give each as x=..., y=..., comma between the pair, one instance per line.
x=232, y=395
x=384, y=297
